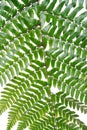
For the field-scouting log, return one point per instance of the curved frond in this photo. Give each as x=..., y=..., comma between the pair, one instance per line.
x=43, y=47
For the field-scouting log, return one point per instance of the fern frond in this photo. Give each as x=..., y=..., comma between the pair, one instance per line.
x=43, y=46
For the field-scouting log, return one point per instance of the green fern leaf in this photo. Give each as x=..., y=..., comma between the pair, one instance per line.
x=43, y=47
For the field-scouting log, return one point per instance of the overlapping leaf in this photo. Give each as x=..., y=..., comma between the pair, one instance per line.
x=43, y=46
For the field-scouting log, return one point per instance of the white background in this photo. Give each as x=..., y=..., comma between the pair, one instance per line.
x=3, y=117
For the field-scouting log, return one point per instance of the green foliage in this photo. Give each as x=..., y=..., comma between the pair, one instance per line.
x=43, y=45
